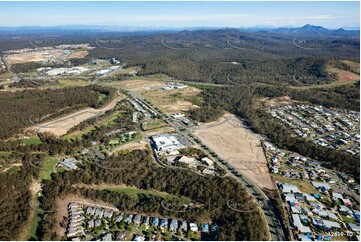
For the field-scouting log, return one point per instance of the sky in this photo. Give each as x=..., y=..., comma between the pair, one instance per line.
x=182, y=14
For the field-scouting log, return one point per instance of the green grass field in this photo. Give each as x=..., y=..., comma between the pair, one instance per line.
x=77, y=134
x=154, y=124
x=347, y=219
x=135, y=192
x=33, y=226
x=32, y=141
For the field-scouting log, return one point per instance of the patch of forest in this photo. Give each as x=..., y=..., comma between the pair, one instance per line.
x=22, y=109
x=140, y=171
x=15, y=198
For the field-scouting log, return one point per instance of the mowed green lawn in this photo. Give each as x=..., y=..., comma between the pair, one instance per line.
x=32, y=141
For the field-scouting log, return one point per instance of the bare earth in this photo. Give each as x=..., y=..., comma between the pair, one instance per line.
x=60, y=126
x=239, y=147
x=138, y=85
x=37, y=56
x=173, y=101
x=135, y=145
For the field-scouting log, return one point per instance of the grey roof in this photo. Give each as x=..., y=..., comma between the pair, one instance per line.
x=354, y=227
x=173, y=224
x=137, y=219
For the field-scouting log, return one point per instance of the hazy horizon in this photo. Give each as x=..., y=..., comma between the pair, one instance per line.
x=331, y=15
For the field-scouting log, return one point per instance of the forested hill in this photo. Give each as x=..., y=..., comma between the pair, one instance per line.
x=22, y=109
x=270, y=56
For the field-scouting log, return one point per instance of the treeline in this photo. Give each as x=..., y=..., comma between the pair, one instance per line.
x=137, y=169
x=205, y=114
x=15, y=199
x=243, y=103
x=22, y=109
x=32, y=66
x=345, y=96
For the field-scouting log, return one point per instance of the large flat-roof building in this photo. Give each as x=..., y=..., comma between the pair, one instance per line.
x=167, y=143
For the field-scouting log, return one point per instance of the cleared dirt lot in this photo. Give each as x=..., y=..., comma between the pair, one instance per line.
x=60, y=126
x=239, y=147
x=173, y=101
x=37, y=56
x=138, y=85
x=134, y=145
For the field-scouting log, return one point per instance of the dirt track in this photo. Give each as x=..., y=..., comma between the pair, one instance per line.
x=239, y=147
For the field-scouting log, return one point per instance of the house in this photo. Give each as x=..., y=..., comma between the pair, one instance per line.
x=289, y=188
x=128, y=218
x=119, y=218
x=90, y=211
x=69, y=163
x=139, y=238
x=183, y=226
x=323, y=186
x=155, y=222
x=346, y=202
x=193, y=227
x=163, y=223
x=146, y=220
x=344, y=210
x=137, y=219
x=325, y=224
x=107, y=237
x=354, y=227
x=120, y=236
x=99, y=212
x=108, y=214
x=97, y=223
x=91, y=223
x=308, y=197
x=303, y=237
x=336, y=196
x=173, y=225
x=205, y=228
x=296, y=221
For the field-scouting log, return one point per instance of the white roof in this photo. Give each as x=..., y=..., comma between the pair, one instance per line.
x=289, y=197
x=208, y=161
x=193, y=226
x=337, y=195
x=321, y=184
x=331, y=224
x=303, y=237
x=309, y=197
x=289, y=188
x=298, y=224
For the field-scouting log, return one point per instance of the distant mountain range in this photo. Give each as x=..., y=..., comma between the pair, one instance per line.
x=305, y=30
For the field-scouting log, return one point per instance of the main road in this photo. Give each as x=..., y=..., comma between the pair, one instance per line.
x=275, y=229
